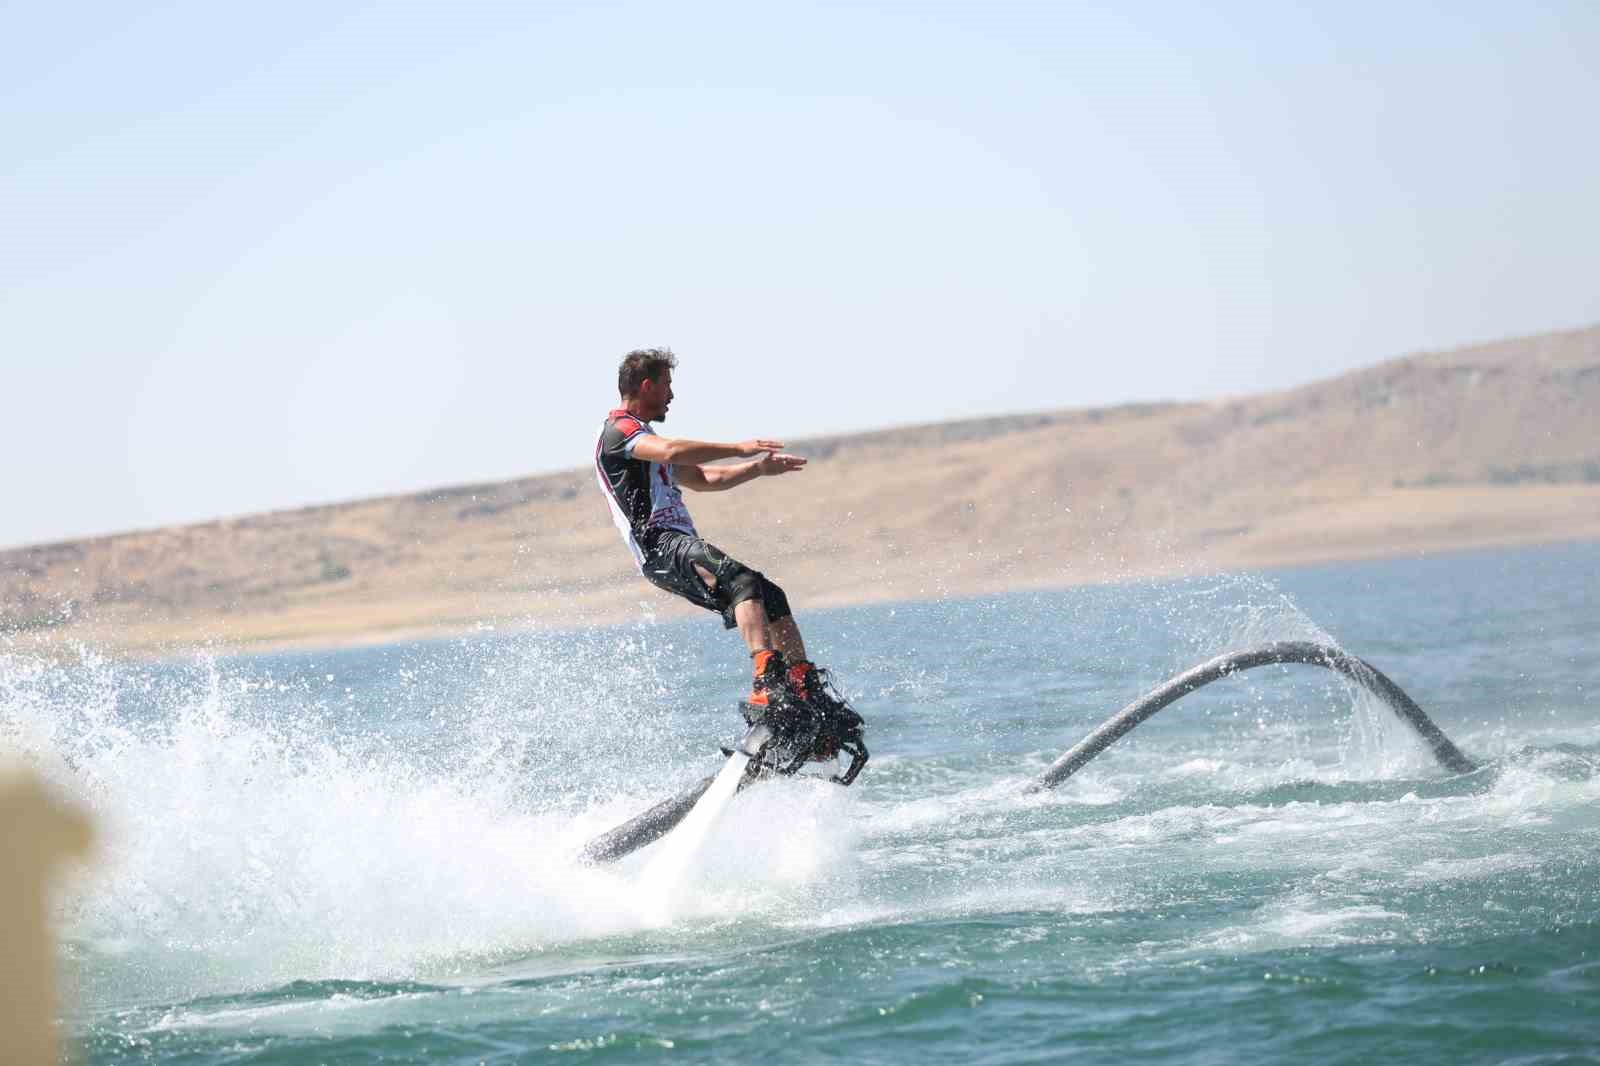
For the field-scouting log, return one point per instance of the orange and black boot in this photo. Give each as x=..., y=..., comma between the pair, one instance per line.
x=773, y=702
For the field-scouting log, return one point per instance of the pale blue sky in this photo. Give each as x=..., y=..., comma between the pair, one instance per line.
x=261, y=255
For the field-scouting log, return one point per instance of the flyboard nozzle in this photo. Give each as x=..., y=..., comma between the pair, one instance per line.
x=755, y=741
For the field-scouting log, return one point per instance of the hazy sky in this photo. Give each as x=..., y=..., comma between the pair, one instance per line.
x=260, y=255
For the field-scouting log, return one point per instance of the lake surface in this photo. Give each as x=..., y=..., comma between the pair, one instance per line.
x=367, y=855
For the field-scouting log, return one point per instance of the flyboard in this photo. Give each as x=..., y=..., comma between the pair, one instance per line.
x=779, y=741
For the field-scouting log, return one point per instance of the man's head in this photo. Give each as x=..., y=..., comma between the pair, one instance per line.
x=644, y=381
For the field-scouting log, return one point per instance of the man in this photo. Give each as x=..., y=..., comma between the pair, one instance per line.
x=640, y=473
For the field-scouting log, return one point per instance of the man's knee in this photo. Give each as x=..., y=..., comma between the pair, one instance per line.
x=776, y=603
x=751, y=585
x=742, y=586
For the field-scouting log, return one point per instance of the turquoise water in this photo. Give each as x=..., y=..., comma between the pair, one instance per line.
x=365, y=856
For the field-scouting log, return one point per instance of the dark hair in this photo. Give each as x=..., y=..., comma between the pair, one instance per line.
x=641, y=365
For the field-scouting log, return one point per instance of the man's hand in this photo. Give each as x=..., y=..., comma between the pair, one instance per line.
x=779, y=463
x=759, y=447
x=726, y=476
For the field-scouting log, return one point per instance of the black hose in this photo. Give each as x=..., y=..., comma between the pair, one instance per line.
x=645, y=828
x=1293, y=651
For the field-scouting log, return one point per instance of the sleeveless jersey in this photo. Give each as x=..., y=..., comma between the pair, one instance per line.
x=642, y=495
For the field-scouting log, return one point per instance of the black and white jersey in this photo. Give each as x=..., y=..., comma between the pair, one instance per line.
x=642, y=495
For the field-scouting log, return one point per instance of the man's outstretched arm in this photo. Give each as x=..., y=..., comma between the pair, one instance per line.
x=677, y=452
x=717, y=478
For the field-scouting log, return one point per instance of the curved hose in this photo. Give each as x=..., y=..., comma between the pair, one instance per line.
x=1293, y=651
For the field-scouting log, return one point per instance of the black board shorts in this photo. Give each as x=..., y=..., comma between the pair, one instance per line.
x=669, y=563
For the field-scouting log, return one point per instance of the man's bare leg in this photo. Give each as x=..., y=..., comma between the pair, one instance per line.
x=782, y=636
x=751, y=618
x=759, y=634
x=787, y=637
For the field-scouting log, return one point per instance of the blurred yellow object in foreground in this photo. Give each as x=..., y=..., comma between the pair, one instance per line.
x=37, y=830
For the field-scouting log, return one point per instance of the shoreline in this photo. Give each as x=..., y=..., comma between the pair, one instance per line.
x=171, y=641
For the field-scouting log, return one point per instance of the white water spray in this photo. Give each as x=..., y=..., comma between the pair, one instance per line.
x=664, y=876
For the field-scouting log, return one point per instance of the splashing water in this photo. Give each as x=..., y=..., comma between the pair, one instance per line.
x=663, y=878
x=325, y=850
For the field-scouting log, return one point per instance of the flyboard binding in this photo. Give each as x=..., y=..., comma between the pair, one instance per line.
x=780, y=739
x=786, y=734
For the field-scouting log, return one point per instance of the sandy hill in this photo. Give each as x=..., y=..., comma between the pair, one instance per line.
x=1491, y=445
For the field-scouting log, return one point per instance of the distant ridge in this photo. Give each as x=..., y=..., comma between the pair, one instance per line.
x=1497, y=444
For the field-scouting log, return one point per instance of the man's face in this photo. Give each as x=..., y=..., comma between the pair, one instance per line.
x=655, y=397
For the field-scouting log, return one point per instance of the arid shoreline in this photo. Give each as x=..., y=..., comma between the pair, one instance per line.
x=1485, y=447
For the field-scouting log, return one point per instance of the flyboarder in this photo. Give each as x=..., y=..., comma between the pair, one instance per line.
x=640, y=473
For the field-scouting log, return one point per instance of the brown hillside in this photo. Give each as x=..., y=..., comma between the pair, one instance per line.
x=1492, y=445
